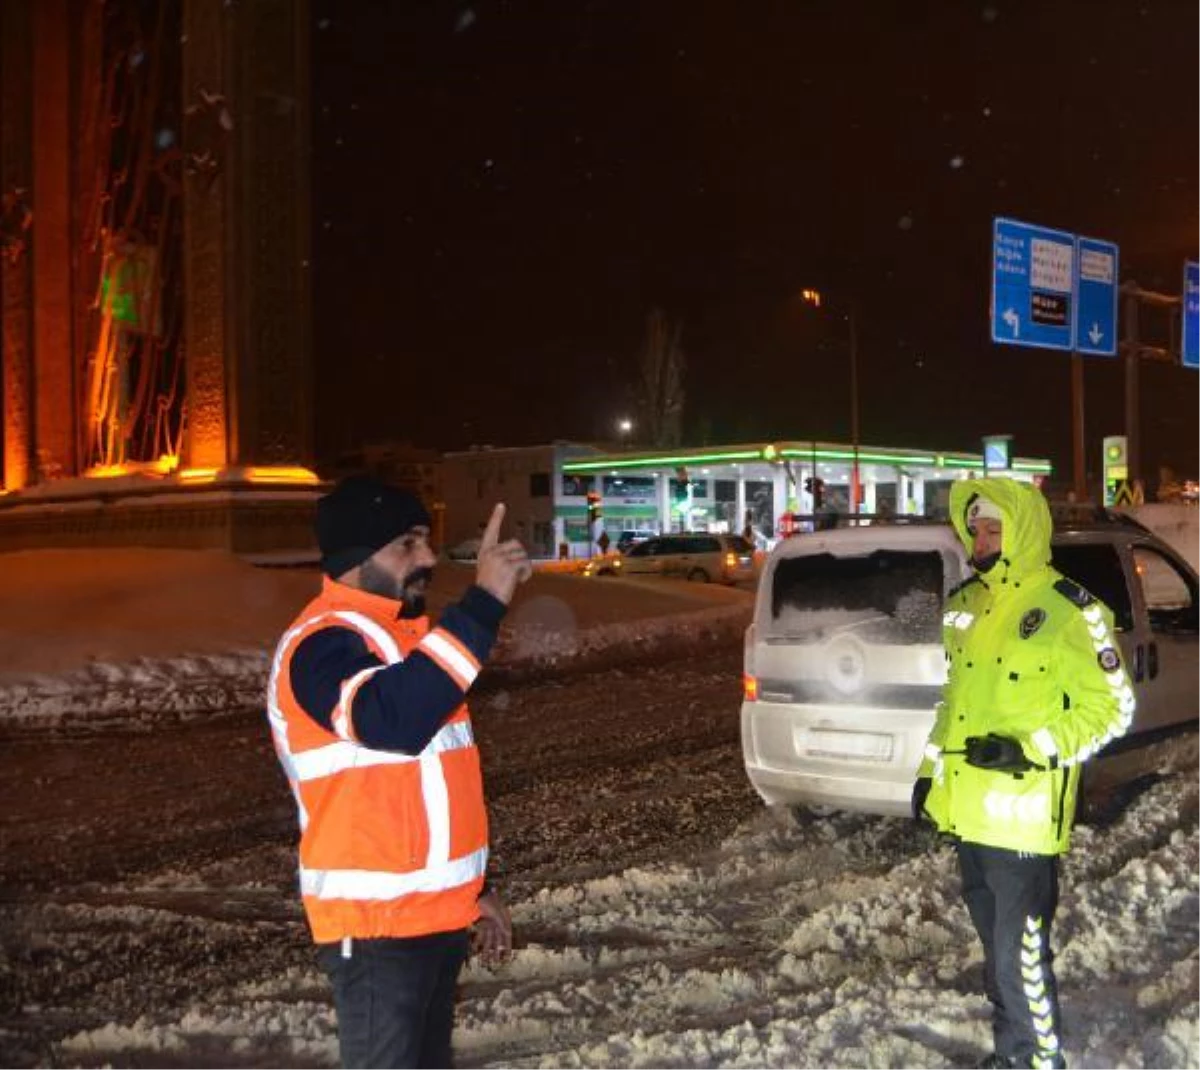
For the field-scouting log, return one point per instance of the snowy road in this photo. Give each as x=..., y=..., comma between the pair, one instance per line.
x=664, y=918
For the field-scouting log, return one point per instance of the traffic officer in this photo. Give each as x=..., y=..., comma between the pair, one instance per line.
x=367, y=710
x=1035, y=687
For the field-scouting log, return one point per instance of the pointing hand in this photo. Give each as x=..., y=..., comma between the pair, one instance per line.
x=502, y=565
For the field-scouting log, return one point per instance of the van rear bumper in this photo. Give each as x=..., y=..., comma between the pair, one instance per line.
x=794, y=788
x=848, y=757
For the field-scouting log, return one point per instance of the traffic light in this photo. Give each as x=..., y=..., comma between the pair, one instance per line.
x=593, y=506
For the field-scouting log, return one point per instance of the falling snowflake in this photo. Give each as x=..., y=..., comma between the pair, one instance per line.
x=905, y=222
x=956, y=162
x=323, y=24
x=465, y=20
x=987, y=112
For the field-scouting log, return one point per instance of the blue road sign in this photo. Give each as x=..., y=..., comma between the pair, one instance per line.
x=1097, y=272
x=1191, y=315
x=1033, y=283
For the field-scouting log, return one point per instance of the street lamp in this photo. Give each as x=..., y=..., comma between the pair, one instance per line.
x=624, y=427
x=813, y=297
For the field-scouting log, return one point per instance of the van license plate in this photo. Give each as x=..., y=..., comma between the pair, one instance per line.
x=837, y=743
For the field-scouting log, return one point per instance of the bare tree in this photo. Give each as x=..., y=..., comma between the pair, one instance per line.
x=661, y=397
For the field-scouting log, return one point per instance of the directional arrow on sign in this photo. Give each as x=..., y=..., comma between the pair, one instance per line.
x=1095, y=334
x=1013, y=320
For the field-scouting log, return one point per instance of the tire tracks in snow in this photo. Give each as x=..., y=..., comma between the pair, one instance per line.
x=842, y=941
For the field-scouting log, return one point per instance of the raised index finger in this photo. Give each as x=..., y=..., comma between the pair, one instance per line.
x=491, y=534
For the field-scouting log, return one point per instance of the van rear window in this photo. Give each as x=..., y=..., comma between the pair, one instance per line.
x=889, y=596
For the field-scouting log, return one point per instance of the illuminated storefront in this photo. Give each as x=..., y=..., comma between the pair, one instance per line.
x=728, y=488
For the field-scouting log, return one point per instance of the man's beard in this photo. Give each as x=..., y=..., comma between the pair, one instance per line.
x=410, y=590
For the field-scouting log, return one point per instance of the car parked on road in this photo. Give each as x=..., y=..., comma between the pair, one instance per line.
x=844, y=662
x=630, y=538
x=697, y=556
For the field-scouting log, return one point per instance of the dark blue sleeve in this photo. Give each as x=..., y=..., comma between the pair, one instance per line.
x=401, y=707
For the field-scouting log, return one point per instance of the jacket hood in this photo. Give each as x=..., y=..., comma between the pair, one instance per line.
x=1025, y=539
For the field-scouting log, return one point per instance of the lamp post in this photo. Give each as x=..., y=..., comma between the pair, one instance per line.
x=813, y=297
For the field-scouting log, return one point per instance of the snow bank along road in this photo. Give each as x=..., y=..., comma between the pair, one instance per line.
x=664, y=918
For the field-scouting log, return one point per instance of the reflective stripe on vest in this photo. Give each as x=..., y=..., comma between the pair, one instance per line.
x=336, y=757
x=439, y=872
x=371, y=884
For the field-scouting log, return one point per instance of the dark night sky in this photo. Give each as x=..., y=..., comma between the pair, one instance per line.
x=504, y=189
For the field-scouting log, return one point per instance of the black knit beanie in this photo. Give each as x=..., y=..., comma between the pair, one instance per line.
x=361, y=515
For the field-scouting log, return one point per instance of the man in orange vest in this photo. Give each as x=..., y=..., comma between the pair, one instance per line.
x=367, y=708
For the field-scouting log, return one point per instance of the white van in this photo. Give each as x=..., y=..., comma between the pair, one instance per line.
x=844, y=662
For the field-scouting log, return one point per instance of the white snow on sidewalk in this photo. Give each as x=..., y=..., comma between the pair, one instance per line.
x=138, y=637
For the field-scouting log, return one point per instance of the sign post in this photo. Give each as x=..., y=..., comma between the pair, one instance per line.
x=1052, y=290
x=1096, y=273
x=1033, y=283
x=997, y=453
x=1190, y=350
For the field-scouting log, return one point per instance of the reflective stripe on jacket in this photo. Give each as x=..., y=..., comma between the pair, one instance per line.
x=391, y=844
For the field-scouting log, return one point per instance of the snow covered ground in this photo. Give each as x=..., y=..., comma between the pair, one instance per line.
x=839, y=941
x=664, y=917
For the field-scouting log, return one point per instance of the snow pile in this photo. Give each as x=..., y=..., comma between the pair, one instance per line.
x=829, y=941
x=92, y=638
x=140, y=694
x=143, y=693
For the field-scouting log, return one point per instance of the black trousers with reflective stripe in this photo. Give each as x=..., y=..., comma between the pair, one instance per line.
x=1011, y=898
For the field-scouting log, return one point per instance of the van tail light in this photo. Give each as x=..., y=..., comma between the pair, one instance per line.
x=749, y=687
x=731, y=560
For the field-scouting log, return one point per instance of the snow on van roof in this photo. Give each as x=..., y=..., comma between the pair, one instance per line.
x=865, y=540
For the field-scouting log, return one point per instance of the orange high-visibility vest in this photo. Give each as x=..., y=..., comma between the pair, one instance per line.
x=391, y=844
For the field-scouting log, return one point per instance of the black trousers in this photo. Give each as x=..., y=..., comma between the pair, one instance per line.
x=395, y=998
x=1011, y=898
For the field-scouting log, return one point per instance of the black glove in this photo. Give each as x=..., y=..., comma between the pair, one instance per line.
x=920, y=793
x=997, y=752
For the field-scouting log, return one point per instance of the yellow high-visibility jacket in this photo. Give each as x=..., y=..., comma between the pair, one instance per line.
x=1032, y=656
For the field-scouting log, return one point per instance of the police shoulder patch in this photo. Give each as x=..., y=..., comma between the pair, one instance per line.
x=1073, y=593
x=1110, y=660
x=962, y=586
x=1032, y=621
